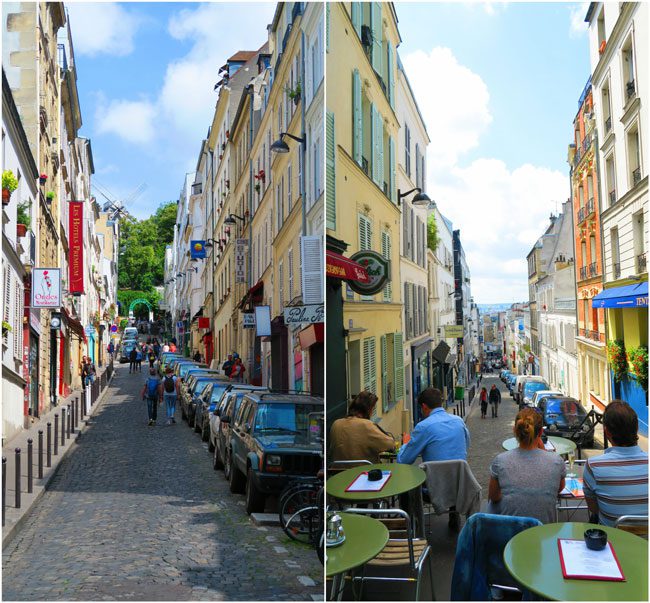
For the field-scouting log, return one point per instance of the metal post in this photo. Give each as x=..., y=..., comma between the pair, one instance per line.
x=62, y=426
x=49, y=444
x=30, y=466
x=76, y=411
x=40, y=454
x=17, y=478
x=72, y=417
x=4, y=487
x=56, y=434
x=69, y=426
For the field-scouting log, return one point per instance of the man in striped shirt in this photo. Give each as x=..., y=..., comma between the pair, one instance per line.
x=616, y=482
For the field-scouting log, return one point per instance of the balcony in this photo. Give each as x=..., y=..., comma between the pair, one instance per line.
x=608, y=124
x=582, y=214
x=612, y=197
x=630, y=90
x=617, y=269
x=636, y=176
x=594, y=335
x=583, y=273
x=590, y=207
x=593, y=269
x=641, y=265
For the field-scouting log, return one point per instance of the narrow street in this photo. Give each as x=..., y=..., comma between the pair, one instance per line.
x=138, y=513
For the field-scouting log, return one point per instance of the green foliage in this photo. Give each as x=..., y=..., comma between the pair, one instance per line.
x=638, y=358
x=127, y=296
x=22, y=214
x=432, y=233
x=617, y=357
x=142, y=253
x=49, y=195
x=6, y=327
x=9, y=181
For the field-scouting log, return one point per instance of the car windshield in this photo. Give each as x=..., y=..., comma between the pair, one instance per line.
x=531, y=388
x=200, y=385
x=217, y=392
x=565, y=407
x=284, y=418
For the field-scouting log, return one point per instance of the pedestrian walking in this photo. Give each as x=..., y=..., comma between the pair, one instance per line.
x=494, y=399
x=86, y=371
x=172, y=347
x=152, y=393
x=227, y=365
x=133, y=356
x=197, y=356
x=156, y=348
x=110, y=349
x=165, y=348
x=237, y=371
x=138, y=358
x=170, y=394
x=484, y=402
x=152, y=357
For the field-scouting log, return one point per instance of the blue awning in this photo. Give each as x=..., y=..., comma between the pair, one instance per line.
x=630, y=296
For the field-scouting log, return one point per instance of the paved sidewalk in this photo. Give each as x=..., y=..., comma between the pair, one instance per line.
x=14, y=517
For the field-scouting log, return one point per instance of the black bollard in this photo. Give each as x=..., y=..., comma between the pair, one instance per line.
x=30, y=466
x=62, y=426
x=69, y=426
x=72, y=409
x=76, y=411
x=17, y=478
x=4, y=487
x=56, y=434
x=40, y=454
x=49, y=444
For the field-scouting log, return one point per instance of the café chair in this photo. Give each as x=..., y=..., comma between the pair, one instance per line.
x=402, y=550
x=636, y=524
x=338, y=466
x=479, y=565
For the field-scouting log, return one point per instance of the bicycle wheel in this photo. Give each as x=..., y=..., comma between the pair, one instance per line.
x=303, y=525
x=297, y=499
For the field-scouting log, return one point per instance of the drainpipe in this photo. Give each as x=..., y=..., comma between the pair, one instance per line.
x=249, y=279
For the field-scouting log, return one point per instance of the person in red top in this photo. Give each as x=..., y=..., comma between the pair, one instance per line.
x=484, y=402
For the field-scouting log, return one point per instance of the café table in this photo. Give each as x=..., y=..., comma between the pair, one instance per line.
x=404, y=479
x=533, y=559
x=365, y=538
x=563, y=446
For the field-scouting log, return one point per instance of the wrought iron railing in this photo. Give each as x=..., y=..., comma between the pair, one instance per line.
x=608, y=124
x=590, y=207
x=630, y=89
x=636, y=176
x=641, y=263
x=593, y=269
x=582, y=214
x=583, y=273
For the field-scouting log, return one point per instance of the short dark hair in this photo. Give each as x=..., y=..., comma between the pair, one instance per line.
x=622, y=423
x=363, y=404
x=431, y=397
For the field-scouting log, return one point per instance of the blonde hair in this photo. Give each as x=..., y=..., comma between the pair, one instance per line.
x=528, y=426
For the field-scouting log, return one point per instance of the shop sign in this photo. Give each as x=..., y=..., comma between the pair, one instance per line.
x=311, y=313
x=46, y=288
x=89, y=330
x=378, y=269
x=76, y=246
x=263, y=321
x=35, y=320
x=197, y=250
x=248, y=319
x=456, y=331
x=241, y=249
x=204, y=322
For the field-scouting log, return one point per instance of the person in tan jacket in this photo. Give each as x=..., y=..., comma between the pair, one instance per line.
x=356, y=437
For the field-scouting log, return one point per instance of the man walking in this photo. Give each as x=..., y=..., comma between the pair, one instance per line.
x=227, y=365
x=494, y=399
x=133, y=357
x=170, y=394
x=152, y=391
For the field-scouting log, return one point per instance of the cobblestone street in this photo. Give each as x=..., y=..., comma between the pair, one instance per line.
x=138, y=513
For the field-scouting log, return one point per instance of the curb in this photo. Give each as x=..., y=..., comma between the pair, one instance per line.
x=9, y=532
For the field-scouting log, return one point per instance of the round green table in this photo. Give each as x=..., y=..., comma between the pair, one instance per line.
x=533, y=559
x=562, y=445
x=404, y=478
x=365, y=537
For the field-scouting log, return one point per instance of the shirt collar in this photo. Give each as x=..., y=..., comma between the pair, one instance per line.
x=627, y=450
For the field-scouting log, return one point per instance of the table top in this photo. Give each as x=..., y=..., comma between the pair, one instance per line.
x=365, y=537
x=562, y=445
x=533, y=559
x=403, y=479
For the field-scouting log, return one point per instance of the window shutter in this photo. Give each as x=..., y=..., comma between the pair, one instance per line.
x=356, y=16
x=377, y=146
x=281, y=285
x=417, y=165
x=311, y=252
x=331, y=172
x=390, y=84
x=6, y=312
x=407, y=150
x=386, y=252
x=369, y=365
x=391, y=167
x=327, y=28
x=412, y=234
x=289, y=188
x=377, y=34
x=398, y=364
x=290, y=270
x=365, y=233
x=384, y=374
x=357, y=124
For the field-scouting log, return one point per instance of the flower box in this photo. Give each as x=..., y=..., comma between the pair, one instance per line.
x=21, y=230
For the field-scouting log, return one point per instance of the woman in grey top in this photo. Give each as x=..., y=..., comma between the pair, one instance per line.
x=525, y=481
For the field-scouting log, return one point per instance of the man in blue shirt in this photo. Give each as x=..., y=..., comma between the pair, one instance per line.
x=438, y=437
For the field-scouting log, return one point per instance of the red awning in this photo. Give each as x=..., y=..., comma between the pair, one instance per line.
x=311, y=335
x=74, y=325
x=338, y=266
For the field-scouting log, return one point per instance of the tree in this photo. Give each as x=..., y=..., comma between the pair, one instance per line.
x=127, y=296
x=432, y=233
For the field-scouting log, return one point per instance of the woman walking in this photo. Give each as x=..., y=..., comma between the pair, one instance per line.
x=484, y=402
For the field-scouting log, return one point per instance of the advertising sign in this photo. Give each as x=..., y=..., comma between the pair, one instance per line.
x=378, y=269
x=76, y=257
x=304, y=314
x=46, y=288
x=453, y=331
x=248, y=319
x=197, y=250
x=263, y=321
x=241, y=249
x=204, y=322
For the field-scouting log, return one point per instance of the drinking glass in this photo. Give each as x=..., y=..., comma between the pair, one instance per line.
x=572, y=458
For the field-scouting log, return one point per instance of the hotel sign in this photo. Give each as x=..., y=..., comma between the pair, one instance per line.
x=311, y=314
x=454, y=331
x=76, y=257
x=46, y=288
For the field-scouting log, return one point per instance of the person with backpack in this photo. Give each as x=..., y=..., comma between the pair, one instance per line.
x=138, y=358
x=110, y=349
x=152, y=392
x=227, y=365
x=133, y=357
x=152, y=357
x=237, y=371
x=170, y=394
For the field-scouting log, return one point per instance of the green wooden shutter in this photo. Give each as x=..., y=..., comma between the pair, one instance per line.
x=327, y=27
x=330, y=173
x=369, y=365
x=391, y=165
x=386, y=252
x=377, y=146
x=357, y=124
x=390, y=83
x=356, y=9
x=398, y=363
x=376, y=25
x=385, y=401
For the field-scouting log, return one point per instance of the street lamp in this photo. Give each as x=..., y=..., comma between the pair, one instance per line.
x=230, y=220
x=419, y=200
x=279, y=146
x=210, y=242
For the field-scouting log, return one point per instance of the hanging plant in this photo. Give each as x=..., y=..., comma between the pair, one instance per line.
x=6, y=327
x=42, y=178
x=49, y=196
x=617, y=359
x=9, y=185
x=638, y=358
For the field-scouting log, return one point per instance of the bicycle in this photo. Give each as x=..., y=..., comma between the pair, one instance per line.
x=301, y=511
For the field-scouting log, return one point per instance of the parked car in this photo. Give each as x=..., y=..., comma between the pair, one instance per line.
x=510, y=381
x=519, y=384
x=567, y=418
x=165, y=357
x=183, y=367
x=130, y=333
x=125, y=350
x=270, y=444
x=207, y=403
x=190, y=395
x=195, y=372
x=539, y=395
x=503, y=375
x=529, y=387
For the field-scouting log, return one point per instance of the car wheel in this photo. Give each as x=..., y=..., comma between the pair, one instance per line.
x=197, y=424
x=237, y=478
x=205, y=434
x=254, y=498
x=217, y=463
x=226, y=465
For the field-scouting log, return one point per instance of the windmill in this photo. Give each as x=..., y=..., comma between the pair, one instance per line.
x=117, y=208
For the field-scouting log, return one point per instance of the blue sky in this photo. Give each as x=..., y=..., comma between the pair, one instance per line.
x=146, y=73
x=498, y=85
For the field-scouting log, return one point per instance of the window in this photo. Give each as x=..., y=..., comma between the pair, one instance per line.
x=278, y=208
x=610, y=175
x=633, y=156
x=365, y=233
x=590, y=187
x=281, y=285
x=407, y=150
x=581, y=196
x=289, y=188
x=607, y=108
x=369, y=365
x=627, y=55
x=615, y=252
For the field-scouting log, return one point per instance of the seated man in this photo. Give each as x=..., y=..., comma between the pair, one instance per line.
x=616, y=482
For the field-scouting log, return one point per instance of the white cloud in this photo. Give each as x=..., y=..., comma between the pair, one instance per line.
x=453, y=100
x=577, y=25
x=102, y=28
x=134, y=121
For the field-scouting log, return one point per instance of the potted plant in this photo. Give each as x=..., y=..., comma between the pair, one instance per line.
x=42, y=178
x=9, y=185
x=638, y=358
x=6, y=328
x=294, y=94
x=257, y=187
x=261, y=175
x=23, y=219
x=617, y=359
x=49, y=196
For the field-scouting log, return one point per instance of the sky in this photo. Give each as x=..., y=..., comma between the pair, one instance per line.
x=145, y=74
x=498, y=86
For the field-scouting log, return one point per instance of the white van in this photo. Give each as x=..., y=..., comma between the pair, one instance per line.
x=130, y=333
x=519, y=385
